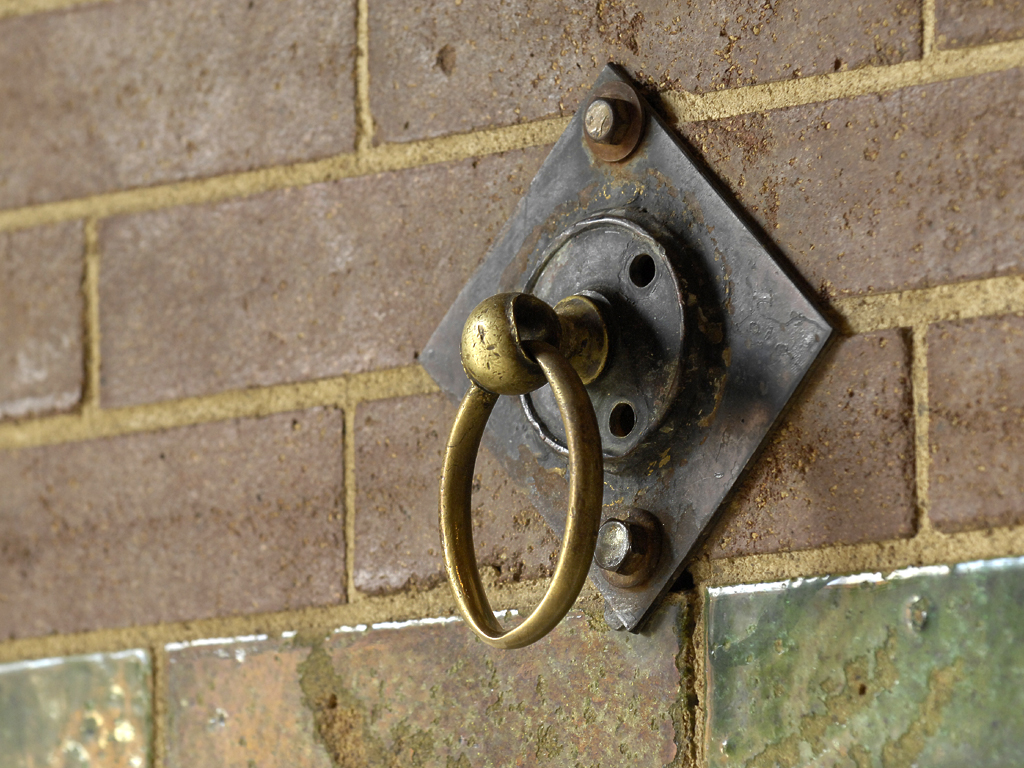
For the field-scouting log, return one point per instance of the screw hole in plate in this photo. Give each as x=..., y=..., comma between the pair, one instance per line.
x=622, y=420
x=642, y=270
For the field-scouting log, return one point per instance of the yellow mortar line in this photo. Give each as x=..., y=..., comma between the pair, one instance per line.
x=392, y=382
x=385, y=158
x=158, y=737
x=91, y=320
x=931, y=549
x=364, y=117
x=915, y=308
x=12, y=8
x=927, y=548
x=352, y=594
x=921, y=306
x=684, y=107
x=700, y=686
x=403, y=606
x=242, y=403
x=922, y=455
x=940, y=66
x=927, y=28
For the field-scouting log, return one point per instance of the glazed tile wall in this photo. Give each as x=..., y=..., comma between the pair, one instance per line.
x=922, y=666
x=227, y=230
x=93, y=710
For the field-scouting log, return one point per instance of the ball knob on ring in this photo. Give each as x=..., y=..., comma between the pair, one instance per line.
x=492, y=342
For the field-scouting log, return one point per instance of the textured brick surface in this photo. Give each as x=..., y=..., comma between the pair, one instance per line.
x=451, y=67
x=130, y=93
x=239, y=704
x=975, y=22
x=216, y=519
x=40, y=319
x=917, y=187
x=840, y=467
x=399, y=449
x=300, y=284
x=976, y=430
x=429, y=694
x=76, y=711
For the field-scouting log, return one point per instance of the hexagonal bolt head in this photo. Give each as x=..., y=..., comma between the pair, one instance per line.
x=621, y=547
x=605, y=122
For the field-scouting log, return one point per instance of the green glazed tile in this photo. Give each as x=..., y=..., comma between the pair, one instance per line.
x=922, y=667
x=76, y=712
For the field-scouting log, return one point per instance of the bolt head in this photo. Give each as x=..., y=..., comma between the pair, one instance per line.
x=599, y=121
x=616, y=541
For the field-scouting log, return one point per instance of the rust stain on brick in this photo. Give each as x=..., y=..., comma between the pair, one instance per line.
x=341, y=722
x=431, y=694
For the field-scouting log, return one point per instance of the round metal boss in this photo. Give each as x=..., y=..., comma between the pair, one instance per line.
x=621, y=266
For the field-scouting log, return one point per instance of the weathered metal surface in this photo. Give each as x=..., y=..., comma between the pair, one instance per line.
x=625, y=269
x=921, y=667
x=751, y=335
x=427, y=693
x=76, y=712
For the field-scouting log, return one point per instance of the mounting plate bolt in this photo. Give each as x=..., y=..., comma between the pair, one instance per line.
x=613, y=121
x=616, y=546
x=628, y=547
x=601, y=121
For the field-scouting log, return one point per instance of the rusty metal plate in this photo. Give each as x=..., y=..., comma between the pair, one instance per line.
x=751, y=334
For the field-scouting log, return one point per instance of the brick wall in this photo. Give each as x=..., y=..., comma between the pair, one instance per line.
x=228, y=227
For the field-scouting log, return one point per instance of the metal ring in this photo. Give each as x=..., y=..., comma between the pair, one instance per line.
x=586, y=478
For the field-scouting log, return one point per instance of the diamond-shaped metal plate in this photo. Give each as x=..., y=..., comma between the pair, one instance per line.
x=752, y=336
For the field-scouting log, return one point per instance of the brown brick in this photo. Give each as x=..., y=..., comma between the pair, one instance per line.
x=132, y=93
x=839, y=469
x=429, y=694
x=210, y=520
x=960, y=23
x=40, y=319
x=237, y=704
x=478, y=63
x=300, y=284
x=399, y=449
x=879, y=193
x=975, y=369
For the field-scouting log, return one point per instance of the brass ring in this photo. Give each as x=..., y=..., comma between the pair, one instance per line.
x=586, y=478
